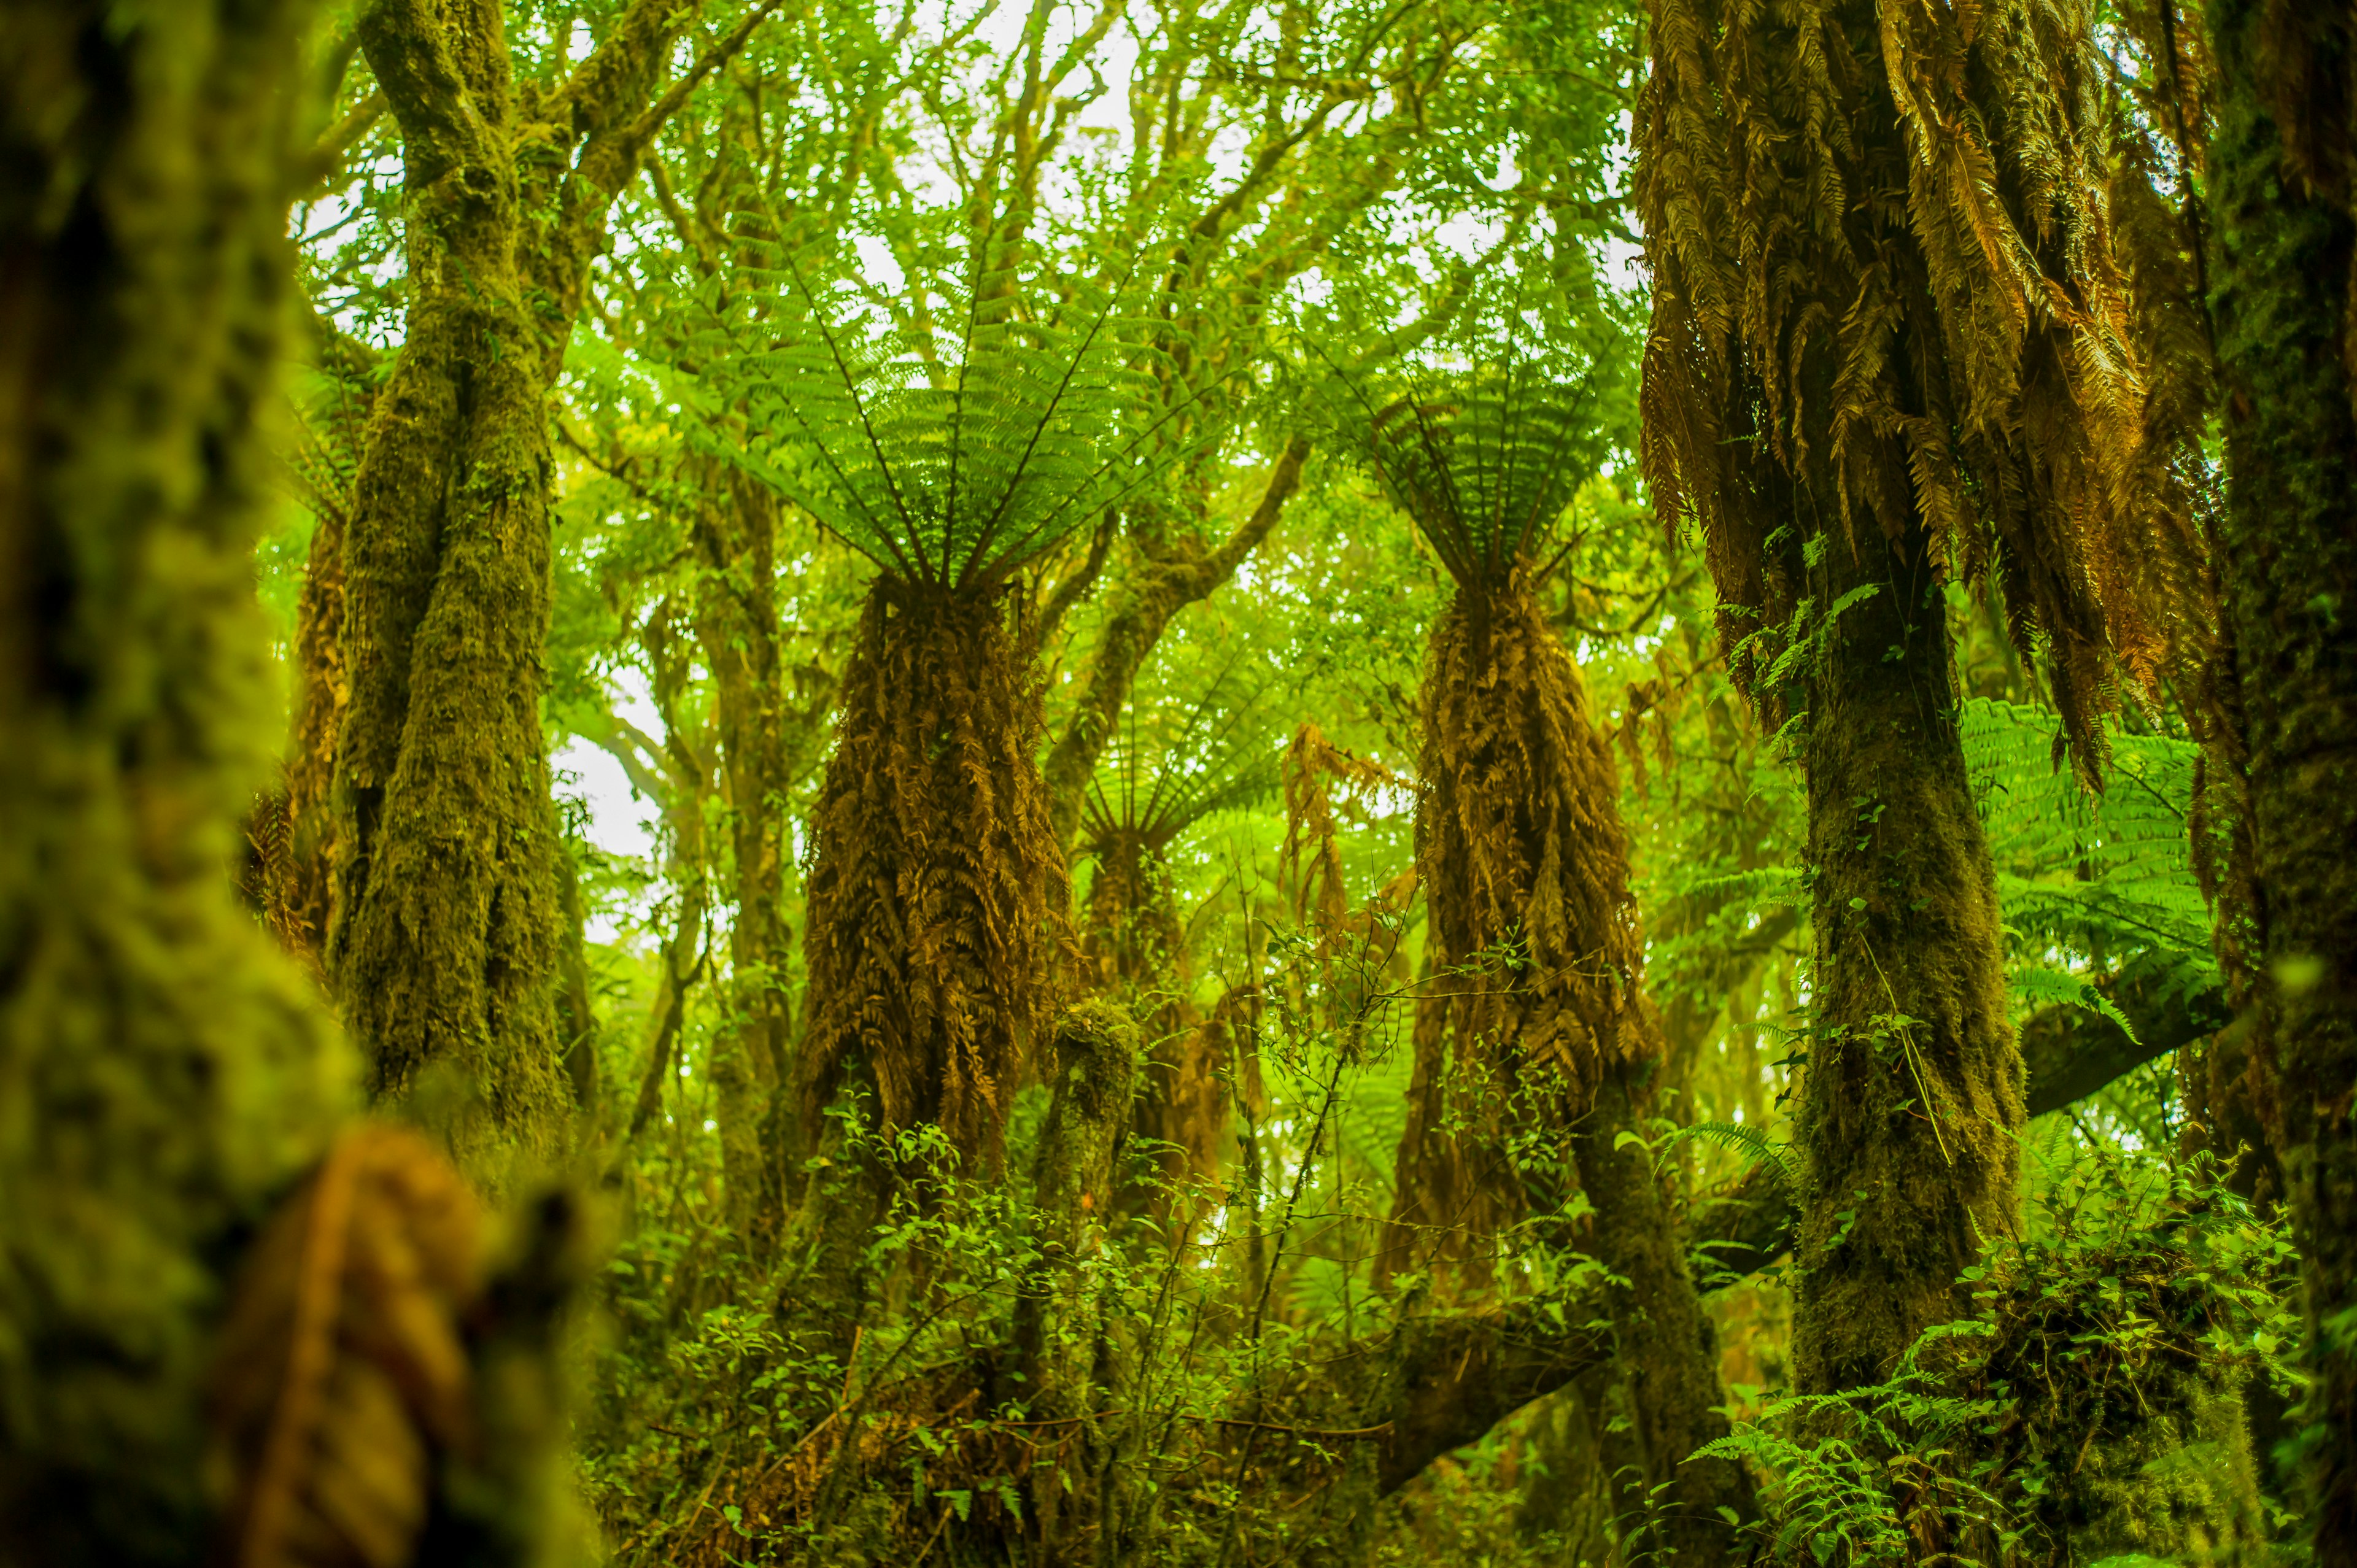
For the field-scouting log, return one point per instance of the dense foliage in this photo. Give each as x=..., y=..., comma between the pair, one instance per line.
x=1281, y=781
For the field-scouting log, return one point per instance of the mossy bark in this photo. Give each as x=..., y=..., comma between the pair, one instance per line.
x=449, y=930
x=1525, y=862
x=1059, y=1328
x=2284, y=246
x=736, y=622
x=1912, y=1100
x=163, y=1073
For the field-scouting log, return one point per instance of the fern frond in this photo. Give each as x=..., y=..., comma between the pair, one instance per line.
x=2110, y=874
x=953, y=464
x=1738, y=1138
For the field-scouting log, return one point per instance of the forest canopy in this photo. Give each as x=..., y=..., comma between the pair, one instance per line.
x=1536, y=782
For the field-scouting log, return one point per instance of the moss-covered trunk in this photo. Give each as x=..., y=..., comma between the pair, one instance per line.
x=1063, y=1344
x=1912, y=1098
x=2284, y=246
x=162, y=1072
x=1521, y=846
x=449, y=929
x=737, y=621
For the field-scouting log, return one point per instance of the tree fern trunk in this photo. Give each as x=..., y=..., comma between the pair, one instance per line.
x=1912, y=1098
x=2285, y=246
x=1518, y=840
x=936, y=886
x=162, y=1072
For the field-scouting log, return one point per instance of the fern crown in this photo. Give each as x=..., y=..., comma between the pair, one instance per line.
x=1483, y=459
x=956, y=466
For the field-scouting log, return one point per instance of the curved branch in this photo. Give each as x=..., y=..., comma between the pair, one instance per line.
x=1143, y=611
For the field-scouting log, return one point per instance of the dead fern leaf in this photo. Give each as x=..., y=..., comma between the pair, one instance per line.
x=937, y=885
x=1311, y=859
x=1910, y=274
x=343, y=1371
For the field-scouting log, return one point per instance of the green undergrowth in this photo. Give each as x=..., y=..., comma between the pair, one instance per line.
x=2089, y=1410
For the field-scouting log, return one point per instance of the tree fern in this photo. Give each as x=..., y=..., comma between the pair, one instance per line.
x=1183, y=754
x=952, y=461
x=1483, y=457
x=1750, y=1142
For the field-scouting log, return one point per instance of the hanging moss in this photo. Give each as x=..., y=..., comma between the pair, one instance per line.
x=936, y=884
x=1862, y=398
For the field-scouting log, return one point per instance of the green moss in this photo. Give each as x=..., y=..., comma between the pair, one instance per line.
x=162, y=1073
x=2287, y=561
x=1912, y=1100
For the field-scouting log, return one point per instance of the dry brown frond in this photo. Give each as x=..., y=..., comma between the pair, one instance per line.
x=1520, y=841
x=1525, y=865
x=343, y=1370
x=937, y=887
x=1889, y=284
x=1311, y=860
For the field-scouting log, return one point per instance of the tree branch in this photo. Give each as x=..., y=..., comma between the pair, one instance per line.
x=1138, y=623
x=643, y=129
x=325, y=161
x=2073, y=1052
x=441, y=127
x=2068, y=1052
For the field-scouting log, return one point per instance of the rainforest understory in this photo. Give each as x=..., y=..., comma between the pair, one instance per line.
x=1541, y=783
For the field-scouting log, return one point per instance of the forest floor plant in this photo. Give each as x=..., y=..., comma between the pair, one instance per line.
x=1054, y=1378
x=2087, y=1409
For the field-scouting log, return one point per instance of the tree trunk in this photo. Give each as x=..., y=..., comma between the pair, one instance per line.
x=298, y=895
x=2285, y=246
x=1520, y=843
x=1912, y=1096
x=737, y=620
x=163, y=1073
x=1133, y=939
x=449, y=934
x=1665, y=1346
x=935, y=885
x=1059, y=1329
